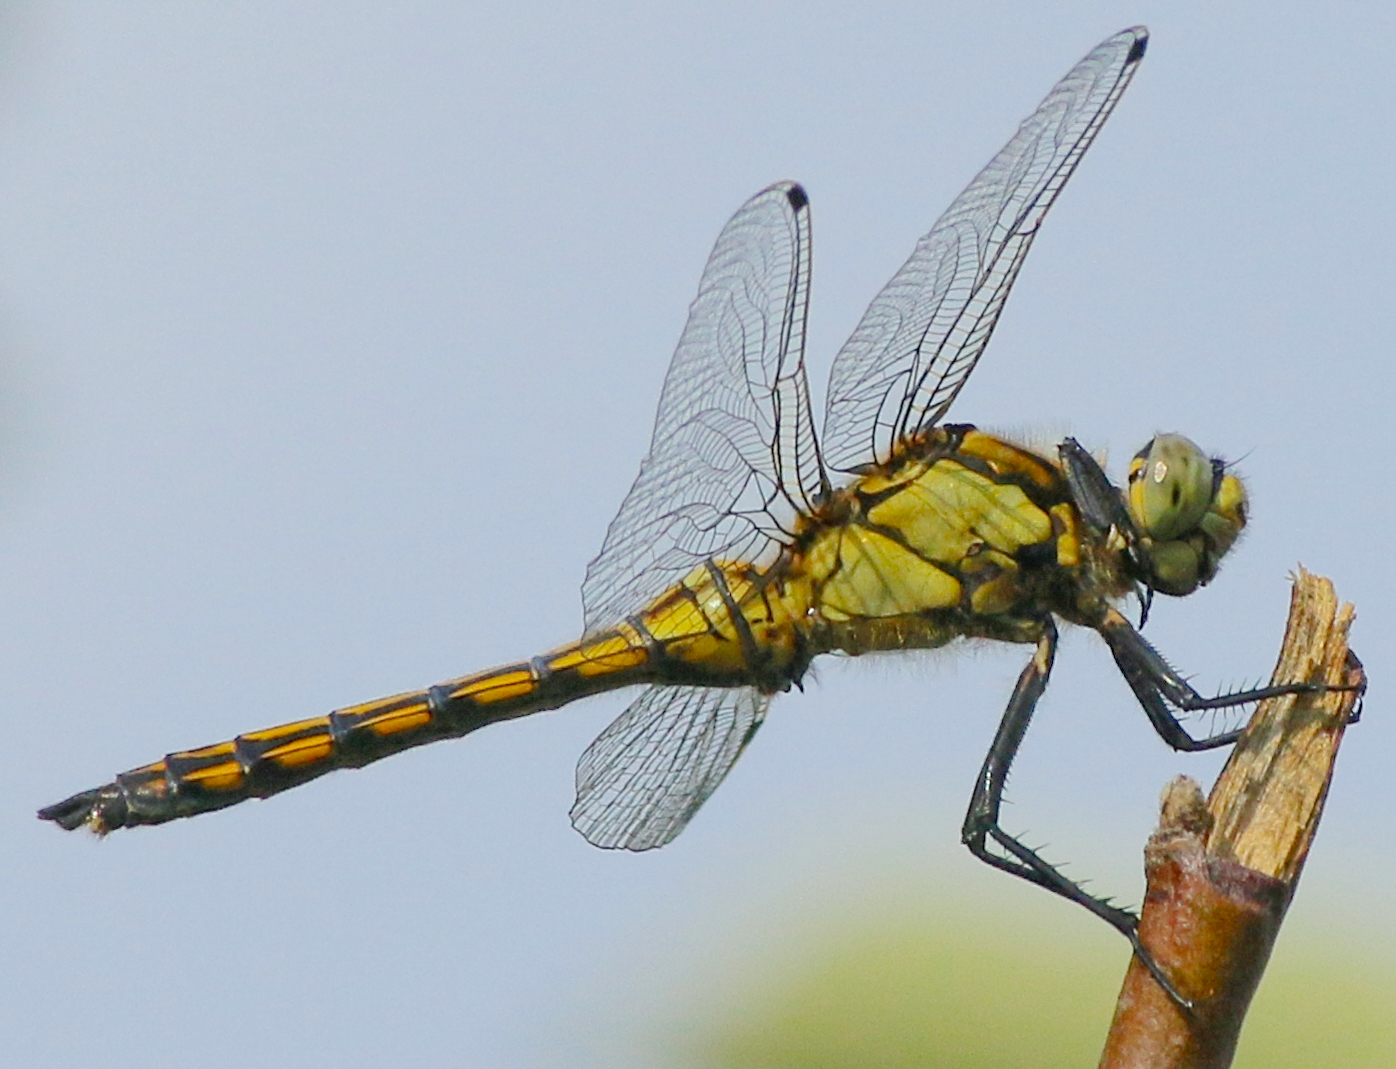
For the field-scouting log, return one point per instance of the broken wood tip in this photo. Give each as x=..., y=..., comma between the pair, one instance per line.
x=1221, y=872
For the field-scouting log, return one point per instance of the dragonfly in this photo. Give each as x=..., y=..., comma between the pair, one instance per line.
x=749, y=544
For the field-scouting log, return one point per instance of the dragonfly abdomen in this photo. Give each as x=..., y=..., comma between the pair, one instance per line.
x=261, y=763
x=687, y=636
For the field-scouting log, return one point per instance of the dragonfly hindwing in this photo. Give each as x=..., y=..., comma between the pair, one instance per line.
x=733, y=459
x=646, y=775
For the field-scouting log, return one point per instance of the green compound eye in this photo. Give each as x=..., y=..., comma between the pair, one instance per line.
x=1188, y=508
x=1171, y=483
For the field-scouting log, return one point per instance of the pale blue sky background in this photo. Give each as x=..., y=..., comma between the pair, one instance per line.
x=329, y=341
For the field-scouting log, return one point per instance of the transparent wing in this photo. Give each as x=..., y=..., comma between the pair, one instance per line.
x=733, y=455
x=922, y=335
x=646, y=775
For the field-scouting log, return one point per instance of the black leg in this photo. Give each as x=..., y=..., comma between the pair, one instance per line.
x=1098, y=500
x=1160, y=689
x=981, y=827
x=1102, y=506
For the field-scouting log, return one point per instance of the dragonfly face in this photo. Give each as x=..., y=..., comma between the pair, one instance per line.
x=750, y=543
x=1189, y=510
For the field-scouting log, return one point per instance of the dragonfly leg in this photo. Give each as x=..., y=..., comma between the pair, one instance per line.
x=1095, y=495
x=1161, y=690
x=982, y=832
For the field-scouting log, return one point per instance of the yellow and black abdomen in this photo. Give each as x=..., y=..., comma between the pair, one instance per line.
x=719, y=627
x=963, y=527
x=261, y=763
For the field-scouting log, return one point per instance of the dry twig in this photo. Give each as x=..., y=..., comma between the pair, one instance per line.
x=1222, y=873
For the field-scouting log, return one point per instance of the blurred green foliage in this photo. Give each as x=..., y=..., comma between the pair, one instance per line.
x=966, y=987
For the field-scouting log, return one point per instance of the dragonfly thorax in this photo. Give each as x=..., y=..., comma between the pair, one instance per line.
x=1189, y=510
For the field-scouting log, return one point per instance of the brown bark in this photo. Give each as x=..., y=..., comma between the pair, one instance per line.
x=1221, y=873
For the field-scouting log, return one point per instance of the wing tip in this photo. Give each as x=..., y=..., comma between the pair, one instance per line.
x=1141, y=43
x=798, y=198
x=609, y=832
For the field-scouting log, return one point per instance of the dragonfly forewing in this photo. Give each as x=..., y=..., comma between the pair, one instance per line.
x=924, y=332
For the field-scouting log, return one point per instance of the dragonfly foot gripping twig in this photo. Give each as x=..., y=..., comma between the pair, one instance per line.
x=1222, y=872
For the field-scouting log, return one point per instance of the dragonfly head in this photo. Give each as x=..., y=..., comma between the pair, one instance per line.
x=1189, y=510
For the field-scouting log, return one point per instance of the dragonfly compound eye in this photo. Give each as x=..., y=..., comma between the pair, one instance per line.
x=1170, y=487
x=1190, y=509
